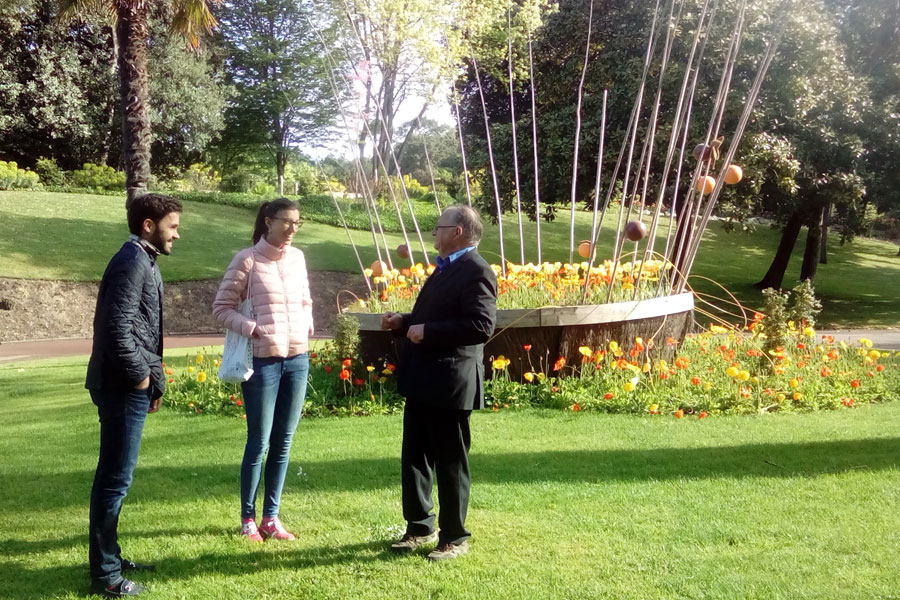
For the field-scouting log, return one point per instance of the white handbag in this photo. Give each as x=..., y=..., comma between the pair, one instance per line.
x=237, y=357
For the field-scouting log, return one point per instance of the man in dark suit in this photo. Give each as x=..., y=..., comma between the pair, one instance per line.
x=441, y=375
x=125, y=378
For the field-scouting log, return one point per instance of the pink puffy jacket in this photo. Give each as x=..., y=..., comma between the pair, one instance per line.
x=281, y=301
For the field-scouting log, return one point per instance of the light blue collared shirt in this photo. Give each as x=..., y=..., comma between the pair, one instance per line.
x=443, y=262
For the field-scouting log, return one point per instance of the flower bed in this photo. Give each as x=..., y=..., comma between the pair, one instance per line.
x=529, y=285
x=713, y=373
x=720, y=371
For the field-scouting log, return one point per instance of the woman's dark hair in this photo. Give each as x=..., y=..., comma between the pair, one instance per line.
x=270, y=209
x=150, y=206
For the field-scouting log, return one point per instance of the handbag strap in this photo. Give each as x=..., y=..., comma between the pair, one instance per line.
x=250, y=280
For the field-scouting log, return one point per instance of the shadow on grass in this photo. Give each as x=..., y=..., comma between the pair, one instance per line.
x=23, y=583
x=219, y=480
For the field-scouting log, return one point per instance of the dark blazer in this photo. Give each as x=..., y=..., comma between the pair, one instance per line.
x=458, y=305
x=128, y=341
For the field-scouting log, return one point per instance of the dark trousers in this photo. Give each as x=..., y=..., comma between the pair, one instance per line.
x=122, y=414
x=435, y=441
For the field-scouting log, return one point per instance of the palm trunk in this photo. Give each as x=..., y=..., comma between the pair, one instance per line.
x=775, y=275
x=132, y=32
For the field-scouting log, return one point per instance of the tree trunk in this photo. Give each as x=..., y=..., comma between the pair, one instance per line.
x=412, y=130
x=280, y=161
x=775, y=275
x=132, y=32
x=812, y=253
x=826, y=221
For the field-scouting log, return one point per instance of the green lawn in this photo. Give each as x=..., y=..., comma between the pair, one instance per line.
x=564, y=505
x=71, y=236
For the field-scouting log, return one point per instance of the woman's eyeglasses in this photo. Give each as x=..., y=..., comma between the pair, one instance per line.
x=287, y=222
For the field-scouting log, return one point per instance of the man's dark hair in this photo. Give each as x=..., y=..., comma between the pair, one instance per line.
x=150, y=206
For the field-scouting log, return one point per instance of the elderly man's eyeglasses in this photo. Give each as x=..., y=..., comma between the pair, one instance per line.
x=288, y=222
x=435, y=230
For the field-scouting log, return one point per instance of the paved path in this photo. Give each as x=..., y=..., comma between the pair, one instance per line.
x=885, y=339
x=15, y=351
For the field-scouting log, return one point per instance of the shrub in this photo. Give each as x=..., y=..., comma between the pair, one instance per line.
x=198, y=178
x=14, y=178
x=50, y=172
x=443, y=198
x=101, y=177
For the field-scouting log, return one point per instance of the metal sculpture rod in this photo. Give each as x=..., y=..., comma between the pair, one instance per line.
x=580, y=95
x=534, y=137
x=487, y=131
x=593, y=250
x=515, y=145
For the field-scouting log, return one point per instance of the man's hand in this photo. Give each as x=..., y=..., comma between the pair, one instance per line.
x=416, y=333
x=143, y=385
x=154, y=405
x=391, y=320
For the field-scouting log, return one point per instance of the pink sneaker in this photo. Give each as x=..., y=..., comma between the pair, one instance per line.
x=271, y=528
x=250, y=531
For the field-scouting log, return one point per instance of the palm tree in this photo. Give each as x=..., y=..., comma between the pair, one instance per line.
x=131, y=30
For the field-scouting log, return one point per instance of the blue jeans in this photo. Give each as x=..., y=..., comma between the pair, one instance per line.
x=273, y=399
x=122, y=414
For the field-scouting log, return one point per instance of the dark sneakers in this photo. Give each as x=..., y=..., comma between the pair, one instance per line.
x=409, y=543
x=123, y=587
x=448, y=551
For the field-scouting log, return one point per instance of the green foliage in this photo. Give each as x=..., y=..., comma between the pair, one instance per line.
x=775, y=323
x=49, y=172
x=786, y=313
x=197, y=389
x=342, y=386
x=346, y=336
x=14, y=178
x=240, y=180
x=102, y=177
x=198, y=178
x=278, y=73
x=443, y=198
x=805, y=306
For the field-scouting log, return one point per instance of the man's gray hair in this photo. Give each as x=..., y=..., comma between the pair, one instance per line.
x=470, y=221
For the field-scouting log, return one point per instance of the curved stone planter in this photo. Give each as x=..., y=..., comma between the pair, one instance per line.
x=553, y=332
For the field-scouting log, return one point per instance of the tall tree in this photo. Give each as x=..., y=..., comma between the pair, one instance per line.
x=274, y=61
x=56, y=87
x=132, y=30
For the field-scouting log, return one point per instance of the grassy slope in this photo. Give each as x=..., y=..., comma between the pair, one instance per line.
x=70, y=236
x=564, y=505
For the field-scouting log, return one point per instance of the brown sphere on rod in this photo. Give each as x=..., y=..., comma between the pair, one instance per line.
x=635, y=230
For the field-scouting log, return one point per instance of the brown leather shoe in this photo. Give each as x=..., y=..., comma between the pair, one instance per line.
x=448, y=551
x=409, y=543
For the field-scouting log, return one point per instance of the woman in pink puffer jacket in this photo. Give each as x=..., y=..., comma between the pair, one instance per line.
x=279, y=328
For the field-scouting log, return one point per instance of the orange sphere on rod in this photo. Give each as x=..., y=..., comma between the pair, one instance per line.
x=403, y=251
x=378, y=268
x=584, y=249
x=733, y=174
x=705, y=185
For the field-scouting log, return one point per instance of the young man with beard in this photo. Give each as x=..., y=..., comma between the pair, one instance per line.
x=125, y=378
